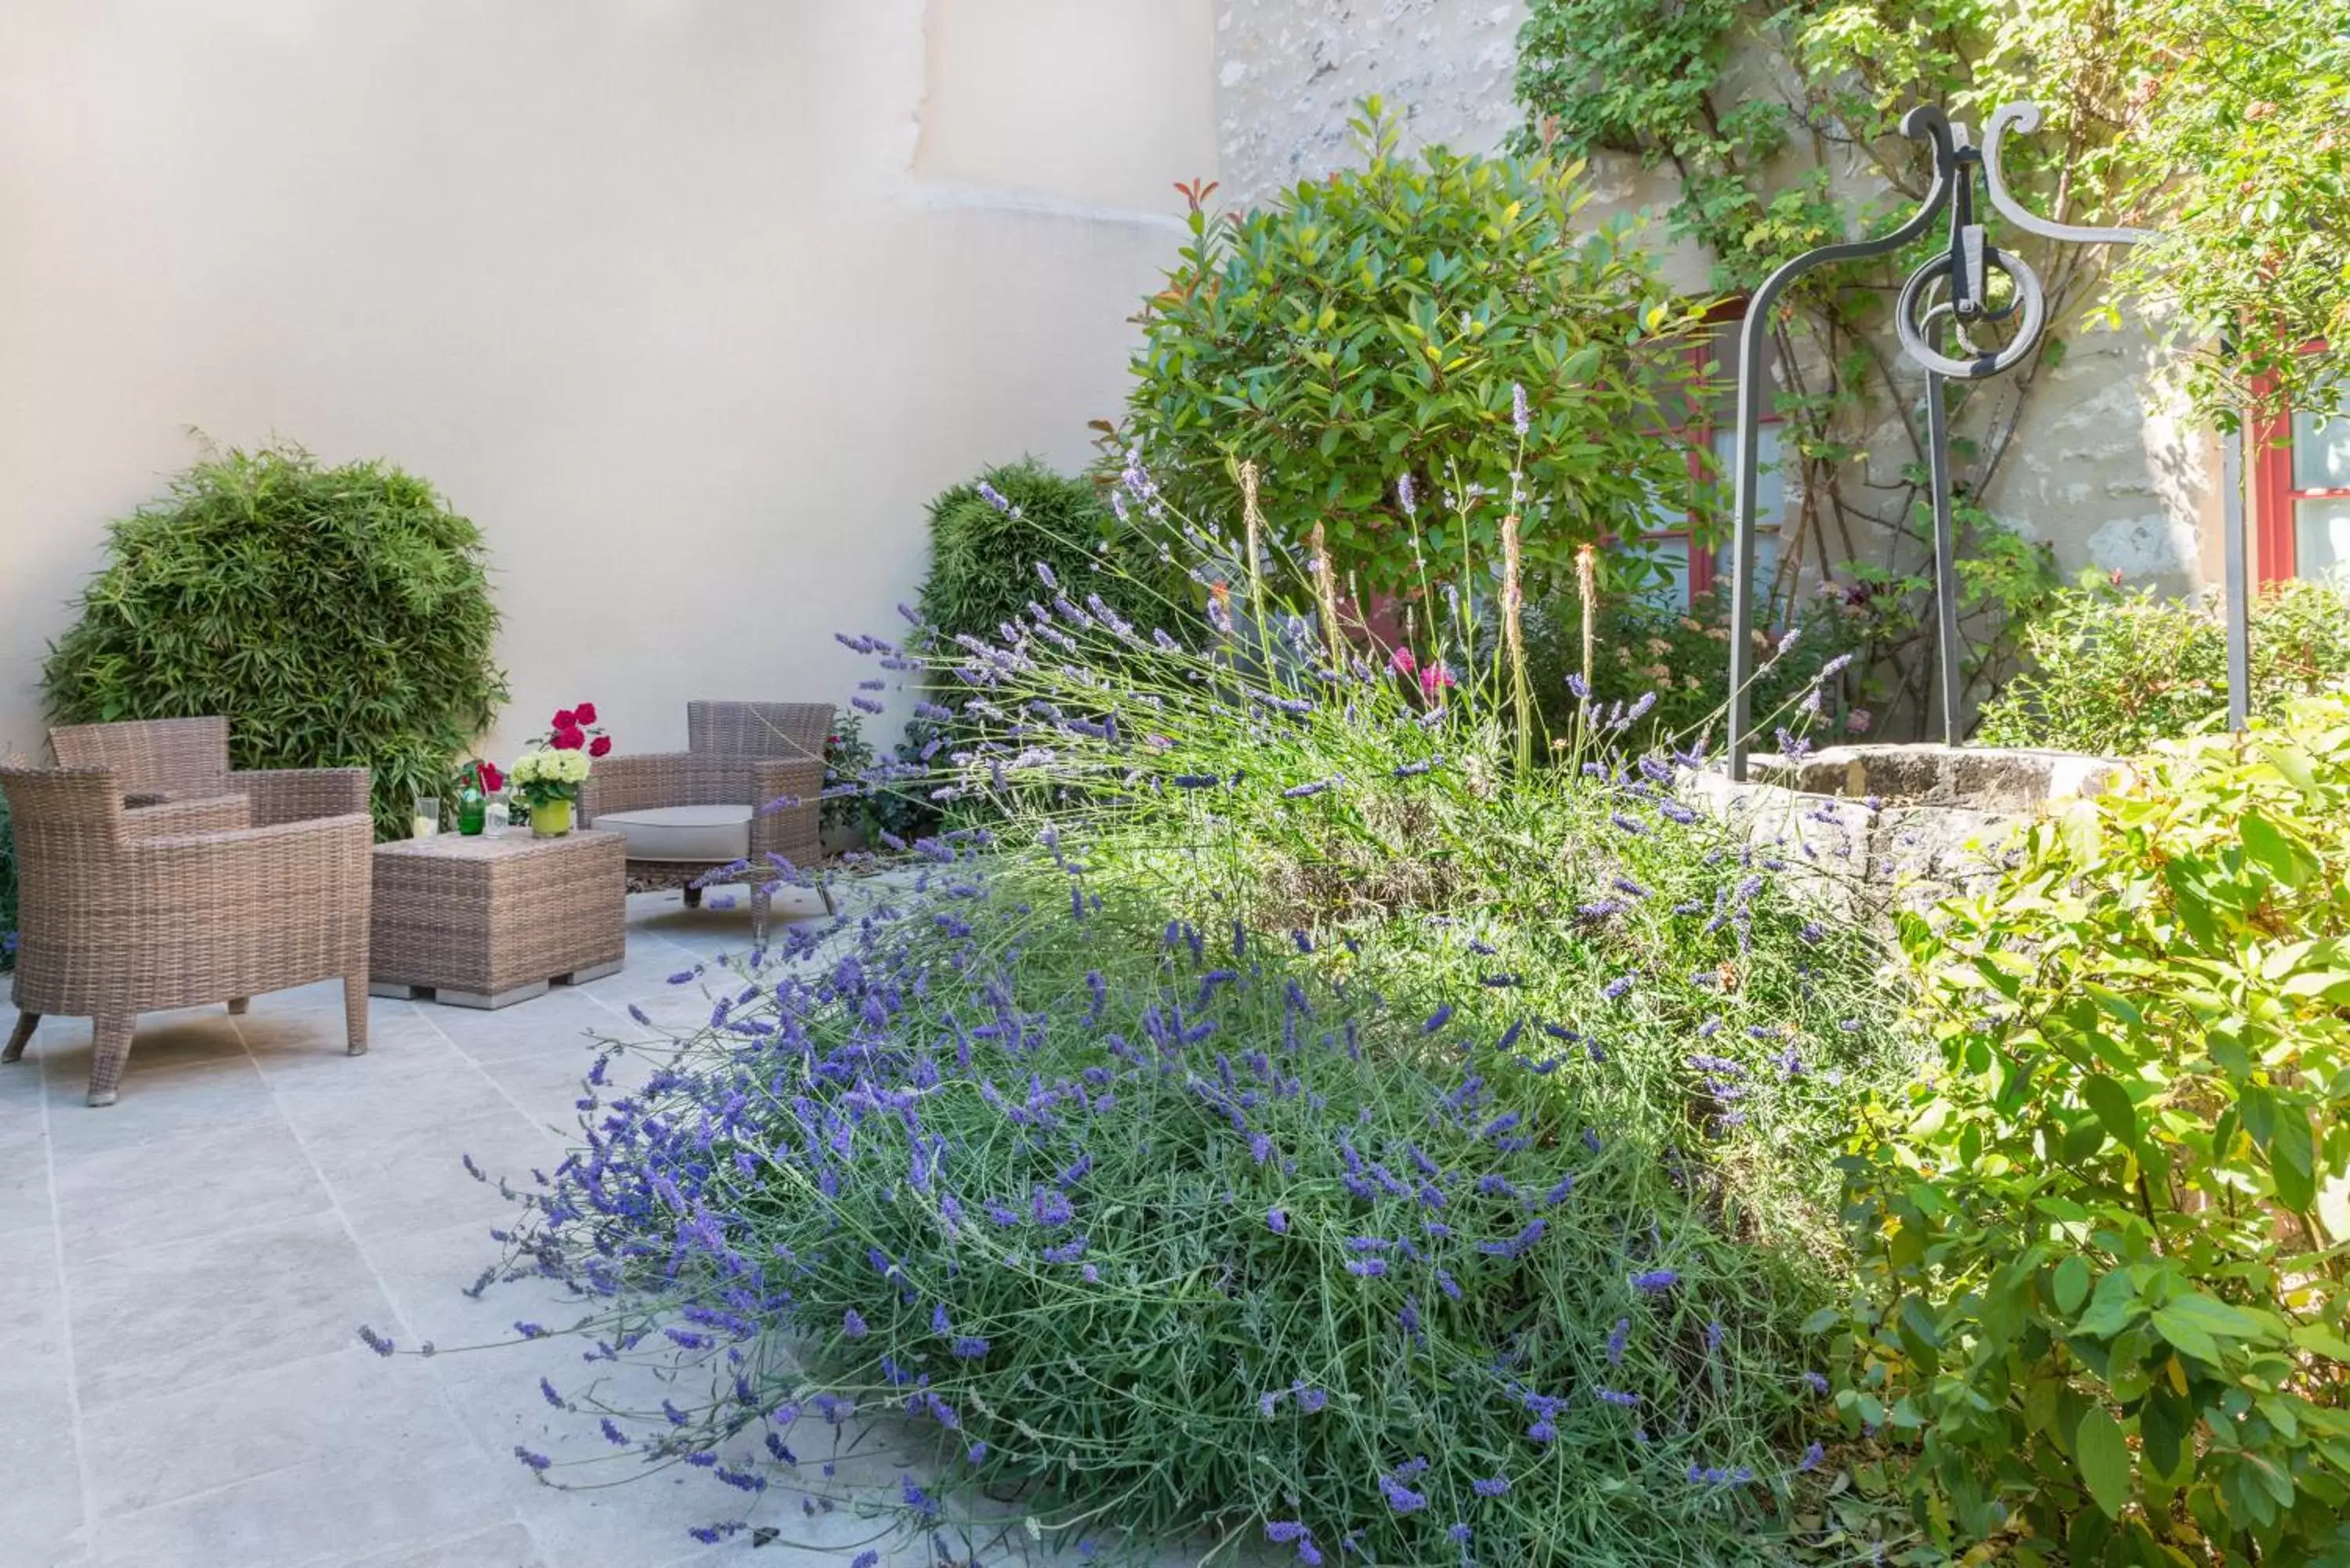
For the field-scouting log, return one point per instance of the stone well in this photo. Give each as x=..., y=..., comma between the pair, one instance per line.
x=1874, y=829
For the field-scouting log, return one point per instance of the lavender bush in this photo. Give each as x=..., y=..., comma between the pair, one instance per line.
x=1297, y=1127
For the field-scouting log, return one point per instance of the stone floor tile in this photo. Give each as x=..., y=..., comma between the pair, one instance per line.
x=563, y=1021
x=25, y=1190
x=215, y=1094
x=187, y=1185
x=348, y=1405
x=506, y=1546
x=42, y=1519
x=34, y=1337
x=293, y=1047
x=325, y=1511
x=154, y=1319
x=384, y=1097
x=395, y=1177
x=426, y=1272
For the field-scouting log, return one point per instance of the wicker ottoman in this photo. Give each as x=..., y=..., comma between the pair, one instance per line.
x=495, y=919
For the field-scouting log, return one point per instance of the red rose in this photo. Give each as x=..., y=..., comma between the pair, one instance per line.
x=569, y=740
x=564, y=720
x=493, y=781
x=585, y=713
x=600, y=745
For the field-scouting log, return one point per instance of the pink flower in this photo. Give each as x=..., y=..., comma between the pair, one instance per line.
x=1432, y=679
x=600, y=745
x=1402, y=663
x=564, y=720
x=1857, y=721
x=585, y=713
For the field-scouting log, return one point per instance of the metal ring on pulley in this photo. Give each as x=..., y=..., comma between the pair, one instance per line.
x=1907, y=323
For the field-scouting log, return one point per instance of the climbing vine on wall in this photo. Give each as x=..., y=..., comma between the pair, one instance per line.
x=1779, y=127
x=2221, y=123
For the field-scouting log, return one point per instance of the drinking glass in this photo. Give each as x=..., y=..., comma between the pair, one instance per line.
x=427, y=820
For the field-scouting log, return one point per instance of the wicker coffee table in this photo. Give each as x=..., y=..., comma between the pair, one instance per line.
x=492, y=921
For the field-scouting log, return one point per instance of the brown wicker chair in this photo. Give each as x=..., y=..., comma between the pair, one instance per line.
x=711, y=811
x=126, y=910
x=162, y=759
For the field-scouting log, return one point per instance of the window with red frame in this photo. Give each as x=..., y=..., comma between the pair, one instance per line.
x=1690, y=569
x=2300, y=492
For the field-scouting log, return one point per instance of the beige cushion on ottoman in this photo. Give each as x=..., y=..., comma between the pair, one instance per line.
x=693, y=834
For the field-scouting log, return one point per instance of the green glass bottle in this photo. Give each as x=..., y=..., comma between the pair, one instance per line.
x=472, y=807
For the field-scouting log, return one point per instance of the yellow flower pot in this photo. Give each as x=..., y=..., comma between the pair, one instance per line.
x=550, y=819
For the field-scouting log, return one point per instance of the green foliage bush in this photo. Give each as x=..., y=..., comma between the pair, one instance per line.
x=1360, y=337
x=1641, y=648
x=336, y=617
x=2113, y=672
x=2105, y=1250
x=988, y=534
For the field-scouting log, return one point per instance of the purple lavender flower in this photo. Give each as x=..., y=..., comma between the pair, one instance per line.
x=970, y=1347
x=375, y=1341
x=1491, y=1486
x=852, y=1324
x=865, y=705
x=992, y=496
x=1617, y=989
x=1521, y=416
x=612, y=1433
x=1816, y=1383
x=539, y=1462
x=1812, y=1457
x=1616, y=1338
x=1276, y=1221
x=1655, y=1280
x=1401, y=1498
x=1438, y=1019
x=1618, y=1398
x=546, y=1391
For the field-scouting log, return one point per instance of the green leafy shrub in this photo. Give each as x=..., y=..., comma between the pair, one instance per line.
x=1641, y=648
x=860, y=789
x=2115, y=671
x=988, y=536
x=1363, y=339
x=2100, y=1289
x=336, y=617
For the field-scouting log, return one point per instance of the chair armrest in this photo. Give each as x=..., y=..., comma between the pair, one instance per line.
x=634, y=783
x=325, y=860
x=300, y=795
x=787, y=806
x=180, y=818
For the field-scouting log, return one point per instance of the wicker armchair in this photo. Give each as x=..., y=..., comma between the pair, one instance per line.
x=709, y=812
x=126, y=910
x=160, y=759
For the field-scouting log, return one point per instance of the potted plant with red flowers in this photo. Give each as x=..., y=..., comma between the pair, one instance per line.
x=547, y=777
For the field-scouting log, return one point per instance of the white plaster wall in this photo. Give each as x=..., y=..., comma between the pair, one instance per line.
x=2104, y=468
x=682, y=300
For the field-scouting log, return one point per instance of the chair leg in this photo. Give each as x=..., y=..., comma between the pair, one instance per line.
x=110, y=1051
x=354, y=1012
x=237, y=1005
x=20, y=1036
x=693, y=896
x=762, y=899
x=824, y=891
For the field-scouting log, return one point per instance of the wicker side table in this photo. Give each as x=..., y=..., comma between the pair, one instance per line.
x=492, y=921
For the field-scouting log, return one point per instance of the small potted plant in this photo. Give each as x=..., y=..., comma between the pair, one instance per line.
x=547, y=777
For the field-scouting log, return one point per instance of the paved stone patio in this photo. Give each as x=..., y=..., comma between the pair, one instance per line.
x=182, y=1276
